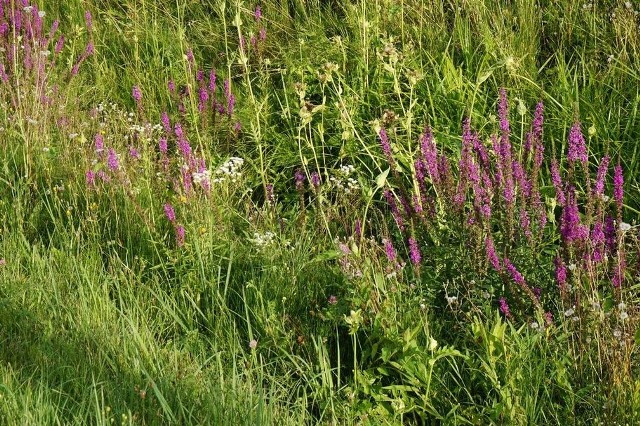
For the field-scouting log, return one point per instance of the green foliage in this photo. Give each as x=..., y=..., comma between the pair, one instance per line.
x=281, y=306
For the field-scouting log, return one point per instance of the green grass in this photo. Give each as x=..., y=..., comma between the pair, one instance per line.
x=106, y=319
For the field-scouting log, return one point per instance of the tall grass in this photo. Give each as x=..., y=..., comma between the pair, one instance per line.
x=208, y=217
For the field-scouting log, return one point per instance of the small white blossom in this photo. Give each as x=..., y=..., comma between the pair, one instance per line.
x=263, y=240
x=569, y=312
x=203, y=177
x=624, y=226
x=624, y=315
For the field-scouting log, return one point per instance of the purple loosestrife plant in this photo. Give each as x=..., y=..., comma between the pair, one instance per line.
x=430, y=156
x=112, y=160
x=414, y=252
x=300, y=178
x=495, y=189
x=386, y=146
x=491, y=254
x=390, y=251
x=137, y=94
x=577, y=150
x=557, y=182
x=169, y=212
x=395, y=212
x=560, y=272
x=90, y=178
x=618, y=191
x=504, y=308
x=180, y=235
x=315, y=180
x=601, y=176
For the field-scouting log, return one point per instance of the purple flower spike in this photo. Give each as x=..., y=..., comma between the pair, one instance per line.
x=169, y=212
x=315, y=179
x=59, y=45
x=90, y=178
x=358, y=229
x=414, y=252
x=389, y=250
x=258, y=13
x=162, y=145
x=557, y=183
x=212, y=81
x=490, y=250
x=180, y=234
x=515, y=274
x=610, y=235
x=99, y=143
x=503, y=113
x=88, y=20
x=618, y=182
x=112, y=160
x=271, y=199
x=166, y=123
x=299, y=177
x=602, y=175
x=137, y=94
x=430, y=155
x=577, y=147
x=504, y=307
x=134, y=153
x=384, y=143
x=190, y=57
x=395, y=212
x=561, y=272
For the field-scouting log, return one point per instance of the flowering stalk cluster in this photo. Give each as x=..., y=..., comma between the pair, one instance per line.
x=31, y=54
x=494, y=195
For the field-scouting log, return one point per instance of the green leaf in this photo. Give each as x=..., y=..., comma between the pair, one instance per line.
x=382, y=178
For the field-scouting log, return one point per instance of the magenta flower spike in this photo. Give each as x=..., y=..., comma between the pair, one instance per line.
x=390, y=251
x=601, y=175
x=180, y=235
x=560, y=272
x=557, y=182
x=386, y=146
x=137, y=94
x=577, y=151
x=169, y=212
x=414, y=252
x=112, y=160
x=88, y=20
x=492, y=256
x=504, y=307
x=618, y=183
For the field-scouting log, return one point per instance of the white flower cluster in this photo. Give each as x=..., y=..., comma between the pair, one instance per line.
x=343, y=180
x=263, y=240
x=622, y=307
x=145, y=128
x=624, y=226
x=203, y=177
x=229, y=170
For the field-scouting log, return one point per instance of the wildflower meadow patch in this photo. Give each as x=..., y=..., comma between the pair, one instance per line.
x=322, y=212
